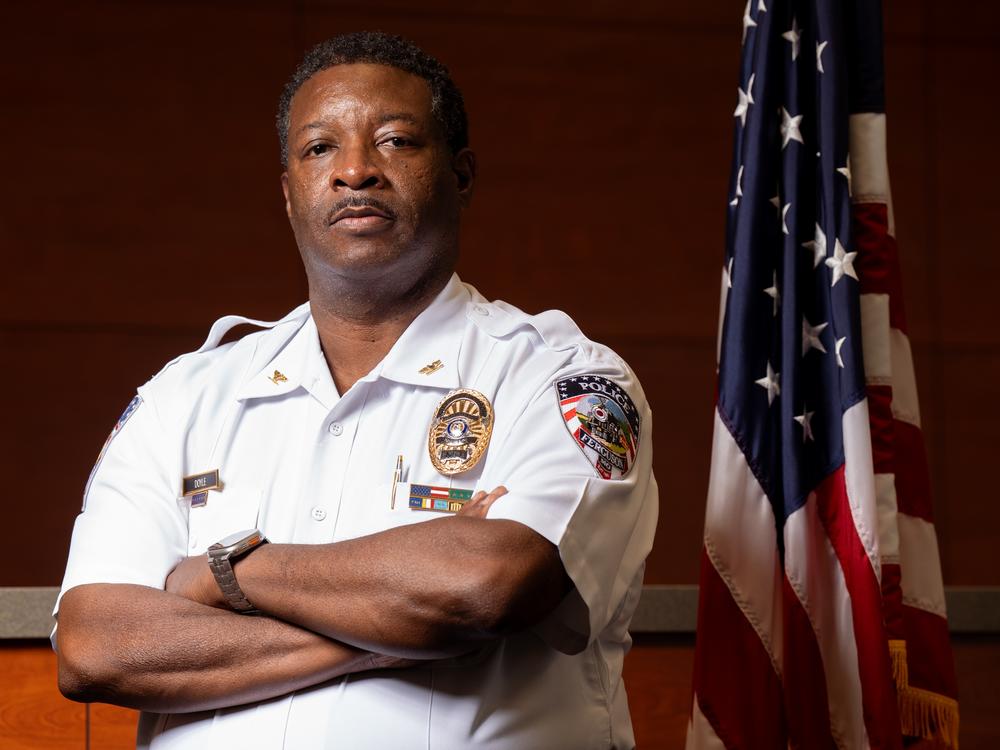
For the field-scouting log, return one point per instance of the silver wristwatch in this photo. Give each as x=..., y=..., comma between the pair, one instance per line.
x=221, y=557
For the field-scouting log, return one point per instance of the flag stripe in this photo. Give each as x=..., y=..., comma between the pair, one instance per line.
x=935, y=670
x=905, y=405
x=922, y=584
x=912, y=488
x=736, y=506
x=881, y=719
x=811, y=574
x=741, y=718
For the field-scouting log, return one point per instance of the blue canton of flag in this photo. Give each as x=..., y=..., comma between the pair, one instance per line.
x=790, y=355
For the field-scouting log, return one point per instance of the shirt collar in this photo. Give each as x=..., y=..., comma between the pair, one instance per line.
x=287, y=369
x=426, y=354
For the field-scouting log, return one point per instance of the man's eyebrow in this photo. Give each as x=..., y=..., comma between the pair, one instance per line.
x=383, y=119
x=398, y=117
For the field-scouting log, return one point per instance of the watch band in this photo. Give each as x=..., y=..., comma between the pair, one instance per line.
x=221, y=557
x=225, y=576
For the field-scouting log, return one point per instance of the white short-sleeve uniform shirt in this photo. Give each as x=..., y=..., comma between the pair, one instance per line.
x=308, y=465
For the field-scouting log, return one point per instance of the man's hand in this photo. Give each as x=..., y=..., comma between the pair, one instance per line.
x=481, y=502
x=193, y=579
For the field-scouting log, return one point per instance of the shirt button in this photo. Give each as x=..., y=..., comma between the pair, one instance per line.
x=318, y=513
x=336, y=428
x=480, y=310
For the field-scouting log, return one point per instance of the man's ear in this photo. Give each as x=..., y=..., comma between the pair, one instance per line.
x=284, y=190
x=463, y=164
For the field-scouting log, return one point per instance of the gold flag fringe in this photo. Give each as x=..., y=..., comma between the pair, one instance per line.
x=900, y=672
x=929, y=715
x=922, y=713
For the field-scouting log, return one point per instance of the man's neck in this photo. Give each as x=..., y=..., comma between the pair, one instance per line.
x=358, y=327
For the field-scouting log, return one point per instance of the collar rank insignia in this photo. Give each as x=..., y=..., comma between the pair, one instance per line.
x=602, y=420
x=460, y=431
x=278, y=377
x=432, y=367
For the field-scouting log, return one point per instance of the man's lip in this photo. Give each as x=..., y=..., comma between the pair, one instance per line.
x=367, y=214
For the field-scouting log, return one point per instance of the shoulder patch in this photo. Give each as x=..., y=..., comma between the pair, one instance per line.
x=603, y=421
x=126, y=415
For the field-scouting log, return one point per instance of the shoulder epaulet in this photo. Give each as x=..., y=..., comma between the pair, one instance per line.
x=556, y=329
x=227, y=323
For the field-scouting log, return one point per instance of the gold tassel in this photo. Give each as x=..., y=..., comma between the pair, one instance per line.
x=921, y=712
x=929, y=715
x=900, y=672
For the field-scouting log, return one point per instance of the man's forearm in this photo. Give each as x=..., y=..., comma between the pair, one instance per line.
x=144, y=648
x=422, y=591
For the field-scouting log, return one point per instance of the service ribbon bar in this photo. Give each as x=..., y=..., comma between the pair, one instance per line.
x=440, y=499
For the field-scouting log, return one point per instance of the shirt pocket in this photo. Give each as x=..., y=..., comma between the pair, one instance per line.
x=370, y=508
x=226, y=511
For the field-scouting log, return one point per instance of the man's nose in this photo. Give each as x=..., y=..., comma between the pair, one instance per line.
x=356, y=168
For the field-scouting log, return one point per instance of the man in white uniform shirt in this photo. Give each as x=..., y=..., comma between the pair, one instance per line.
x=425, y=514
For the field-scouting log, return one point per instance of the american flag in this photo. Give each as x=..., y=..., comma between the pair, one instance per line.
x=821, y=620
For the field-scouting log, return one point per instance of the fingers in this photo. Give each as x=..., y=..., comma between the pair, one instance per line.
x=480, y=503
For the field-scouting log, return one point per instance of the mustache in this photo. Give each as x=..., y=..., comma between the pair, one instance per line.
x=359, y=201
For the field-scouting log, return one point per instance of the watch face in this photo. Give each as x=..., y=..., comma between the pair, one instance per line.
x=238, y=536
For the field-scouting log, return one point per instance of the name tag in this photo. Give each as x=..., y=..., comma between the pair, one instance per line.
x=196, y=484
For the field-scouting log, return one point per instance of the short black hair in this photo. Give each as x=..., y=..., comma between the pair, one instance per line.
x=447, y=104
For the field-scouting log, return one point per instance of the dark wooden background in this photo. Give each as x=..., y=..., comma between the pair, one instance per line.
x=140, y=201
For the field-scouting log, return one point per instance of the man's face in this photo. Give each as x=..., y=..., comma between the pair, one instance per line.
x=371, y=187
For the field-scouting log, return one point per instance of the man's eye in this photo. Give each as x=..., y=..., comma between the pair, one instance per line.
x=319, y=149
x=398, y=142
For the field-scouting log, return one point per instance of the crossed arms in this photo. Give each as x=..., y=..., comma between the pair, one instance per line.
x=330, y=610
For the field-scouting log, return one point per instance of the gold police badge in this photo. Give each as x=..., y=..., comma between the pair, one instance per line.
x=460, y=431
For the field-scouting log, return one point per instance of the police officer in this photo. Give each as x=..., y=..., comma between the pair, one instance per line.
x=402, y=516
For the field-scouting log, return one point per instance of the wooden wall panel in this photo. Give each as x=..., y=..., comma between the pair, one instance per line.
x=144, y=202
x=33, y=715
x=962, y=260
x=112, y=727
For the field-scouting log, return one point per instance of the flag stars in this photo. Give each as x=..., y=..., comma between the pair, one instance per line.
x=810, y=336
x=820, y=46
x=846, y=171
x=839, y=346
x=805, y=420
x=745, y=99
x=817, y=246
x=770, y=383
x=784, y=213
x=842, y=263
x=790, y=128
x=794, y=36
x=748, y=22
x=774, y=294
x=739, y=187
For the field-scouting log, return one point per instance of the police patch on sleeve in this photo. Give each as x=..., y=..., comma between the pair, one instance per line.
x=126, y=415
x=602, y=420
